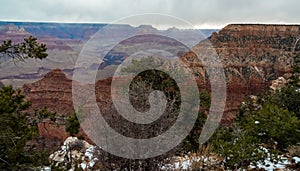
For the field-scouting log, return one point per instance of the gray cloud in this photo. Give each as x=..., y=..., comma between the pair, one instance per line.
x=213, y=13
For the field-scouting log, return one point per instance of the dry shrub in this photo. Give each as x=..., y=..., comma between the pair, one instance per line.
x=294, y=150
x=206, y=159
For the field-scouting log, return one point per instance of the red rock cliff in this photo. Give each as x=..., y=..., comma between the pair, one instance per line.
x=252, y=56
x=54, y=91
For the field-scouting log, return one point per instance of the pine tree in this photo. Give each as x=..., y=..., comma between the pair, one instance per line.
x=17, y=127
x=29, y=48
x=14, y=128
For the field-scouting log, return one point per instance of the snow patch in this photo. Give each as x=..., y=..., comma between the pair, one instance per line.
x=77, y=153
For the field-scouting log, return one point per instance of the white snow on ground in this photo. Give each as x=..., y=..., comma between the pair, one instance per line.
x=90, y=152
x=185, y=163
x=84, y=157
x=270, y=166
x=88, y=160
x=83, y=166
x=46, y=168
x=297, y=159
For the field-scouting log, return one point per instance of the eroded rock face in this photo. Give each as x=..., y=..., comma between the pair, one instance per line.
x=54, y=92
x=252, y=56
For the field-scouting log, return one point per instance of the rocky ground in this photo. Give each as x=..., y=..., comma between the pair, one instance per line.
x=75, y=153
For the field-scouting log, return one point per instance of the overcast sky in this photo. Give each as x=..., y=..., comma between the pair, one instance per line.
x=200, y=13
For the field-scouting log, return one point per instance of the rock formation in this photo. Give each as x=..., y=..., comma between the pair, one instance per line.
x=75, y=153
x=278, y=84
x=54, y=92
x=252, y=56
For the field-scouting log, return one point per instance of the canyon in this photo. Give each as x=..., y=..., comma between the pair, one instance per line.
x=252, y=56
x=64, y=42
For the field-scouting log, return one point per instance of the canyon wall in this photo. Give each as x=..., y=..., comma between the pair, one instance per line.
x=251, y=55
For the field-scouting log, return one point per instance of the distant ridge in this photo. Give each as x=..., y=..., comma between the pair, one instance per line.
x=60, y=30
x=77, y=30
x=261, y=24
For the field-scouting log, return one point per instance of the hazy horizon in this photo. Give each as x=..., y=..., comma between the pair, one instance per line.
x=156, y=27
x=201, y=14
